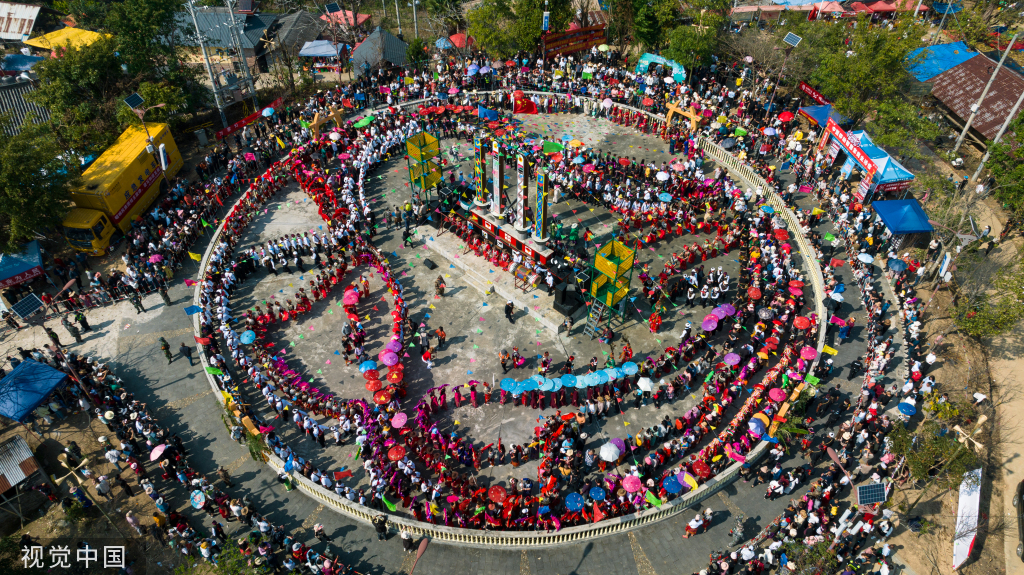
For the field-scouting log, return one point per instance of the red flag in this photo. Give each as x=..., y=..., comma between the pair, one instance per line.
x=347, y=103
x=190, y=283
x=216, y=197
x=836, y=263
x=598, y=514
x=339, y=475
x=524, y=106
x=202, y=340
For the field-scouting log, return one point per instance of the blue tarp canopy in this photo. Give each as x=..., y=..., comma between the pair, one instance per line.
x=20, y=267
x=19, y=62
x=939, y=58
x=939, y=8
x=903, y=216
x=25, y=388
x=319, y=49
x=889, y=170
x=820, y=115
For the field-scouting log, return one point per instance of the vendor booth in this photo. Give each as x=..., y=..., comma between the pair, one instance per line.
x=27, y=387
x=902, y=218
x=881, y=173
x=819, y=115
x=21, y=267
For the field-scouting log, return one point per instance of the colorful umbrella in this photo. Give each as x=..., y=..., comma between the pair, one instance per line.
x=777, y=394
x=367, y=365
x=396, y=453
x=395, y=376
x=808, y=352
x=709, y=325
x=632, y=484
x=754, y=293
x=731, y=359
x=497, y=493
x=702, y=469
x=597, y=493
x=389, y=358
x=399, y=419
x=801, y=322
x=374, y=385
x=371, y=374
x=381, y=397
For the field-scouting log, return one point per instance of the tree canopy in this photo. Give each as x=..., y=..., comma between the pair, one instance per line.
x=504, y=26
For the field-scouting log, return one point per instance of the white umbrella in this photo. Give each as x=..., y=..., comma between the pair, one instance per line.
x=669, y=80
x=607, y=103
x=335, y=136
x=609, y=452
x=837, y=296
x=662, y=176
x=645, y=384
x=866, y=258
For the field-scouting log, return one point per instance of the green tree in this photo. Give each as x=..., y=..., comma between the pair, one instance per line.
x=648, y=30
x=1006, y=164
x=866, y=67
x=416, y=52
x=34, y=183
x=154, y=93
x=693, y=45
x=989, y=298
x=449, y=12
x=79, y=90
x=526, y=28
x=490, y=24
x=899, y=127
x=932, y=454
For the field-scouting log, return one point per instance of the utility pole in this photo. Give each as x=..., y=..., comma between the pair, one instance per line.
x=209, y=69
x=415, y=21
x=956, y=455
x=999, y=136
x=941, y=22
x=977, y=105
x=398, y=16
x=237, y=42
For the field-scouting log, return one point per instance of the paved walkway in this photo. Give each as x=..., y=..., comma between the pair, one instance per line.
x=183, y=401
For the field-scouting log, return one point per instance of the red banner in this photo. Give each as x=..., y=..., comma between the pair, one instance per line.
x=247, y=120
x=814, y=94
x=833, y=129
x=139, y=191
x=22, y=277
x=574, y=40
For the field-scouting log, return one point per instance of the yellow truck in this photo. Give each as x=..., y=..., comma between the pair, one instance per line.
x=120, y=186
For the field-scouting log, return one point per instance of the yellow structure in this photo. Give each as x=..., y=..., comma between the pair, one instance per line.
x=611, y=273
x=75, y=37
x=424, y=169
x=119, y=186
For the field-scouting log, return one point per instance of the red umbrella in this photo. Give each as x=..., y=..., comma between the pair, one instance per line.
x=497, y=493
x=395, y=453
x=374, y=385
x=754, y=293
x=786, y=116
x=647, y=101
x=396, y=367
x=556, y=157
x=702, y=469
x=493, y=125
x=796, y=283
x=624, y=161
x=395, y=377
x=782, y=234
x=381, y=397
x=371, y=374
x=802, y=322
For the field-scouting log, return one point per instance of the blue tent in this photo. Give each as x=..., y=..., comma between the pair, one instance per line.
x=25, y=388
x=21, y=267
x=940, y=8
x=19, y=62
x=889, y=170
x=903, y=216
x=939, y=58
x=820, y=115
x=319, y=49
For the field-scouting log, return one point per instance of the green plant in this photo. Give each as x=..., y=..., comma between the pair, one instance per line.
x=257, y=447
x=75, y=513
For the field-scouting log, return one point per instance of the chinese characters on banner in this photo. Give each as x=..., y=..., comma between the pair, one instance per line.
x=814, y=94
x=276, y=104
x=832, y=130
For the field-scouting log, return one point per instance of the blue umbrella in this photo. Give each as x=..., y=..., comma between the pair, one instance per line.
x=547, y=385
x=543, y=510
x=486, y=70
x=906, y=409
x=578, y=160
x=897, y=265
x=444, y=44
x=248, y=336
x=268, y=112
x=574, y=502
x=672, y=485
x=768, y=209
x=529, y=384
x=597, y=493
x=665, y=197
x=557, y=384
x=508, y=384
x=630, y=368
x=612, y=373
x=473, y=69
x=367, y=366
x=566, y=137
x=597, y=378
x=569, y=380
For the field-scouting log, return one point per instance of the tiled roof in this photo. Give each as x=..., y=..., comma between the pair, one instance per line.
x=215, y=24
x=959, y=87
x=12, y=100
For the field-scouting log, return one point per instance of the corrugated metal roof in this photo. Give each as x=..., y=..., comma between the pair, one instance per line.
x=215, y=25
x=297, y=28
x=16, y=462
x=959, y=87
x=17, y=20
x=12, y=100
x=380, y=46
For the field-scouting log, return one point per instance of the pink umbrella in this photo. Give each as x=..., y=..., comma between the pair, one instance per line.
x=453, y=90
x=587, y=168
x=618, y=442
x=837, y=321
x=394, y=345
x=344, y=156
x=157, y=452
x=777, y=394
x=390, y=358
x=796, y=291
x=709, y=324
x=399, y=420
x=678, y=167
x=712, y=317
x=351, y=297
x=632, y=484
x=719, y=313
x=808, y=352
x=731, y=359
x=728, y=308
x=156, y=258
